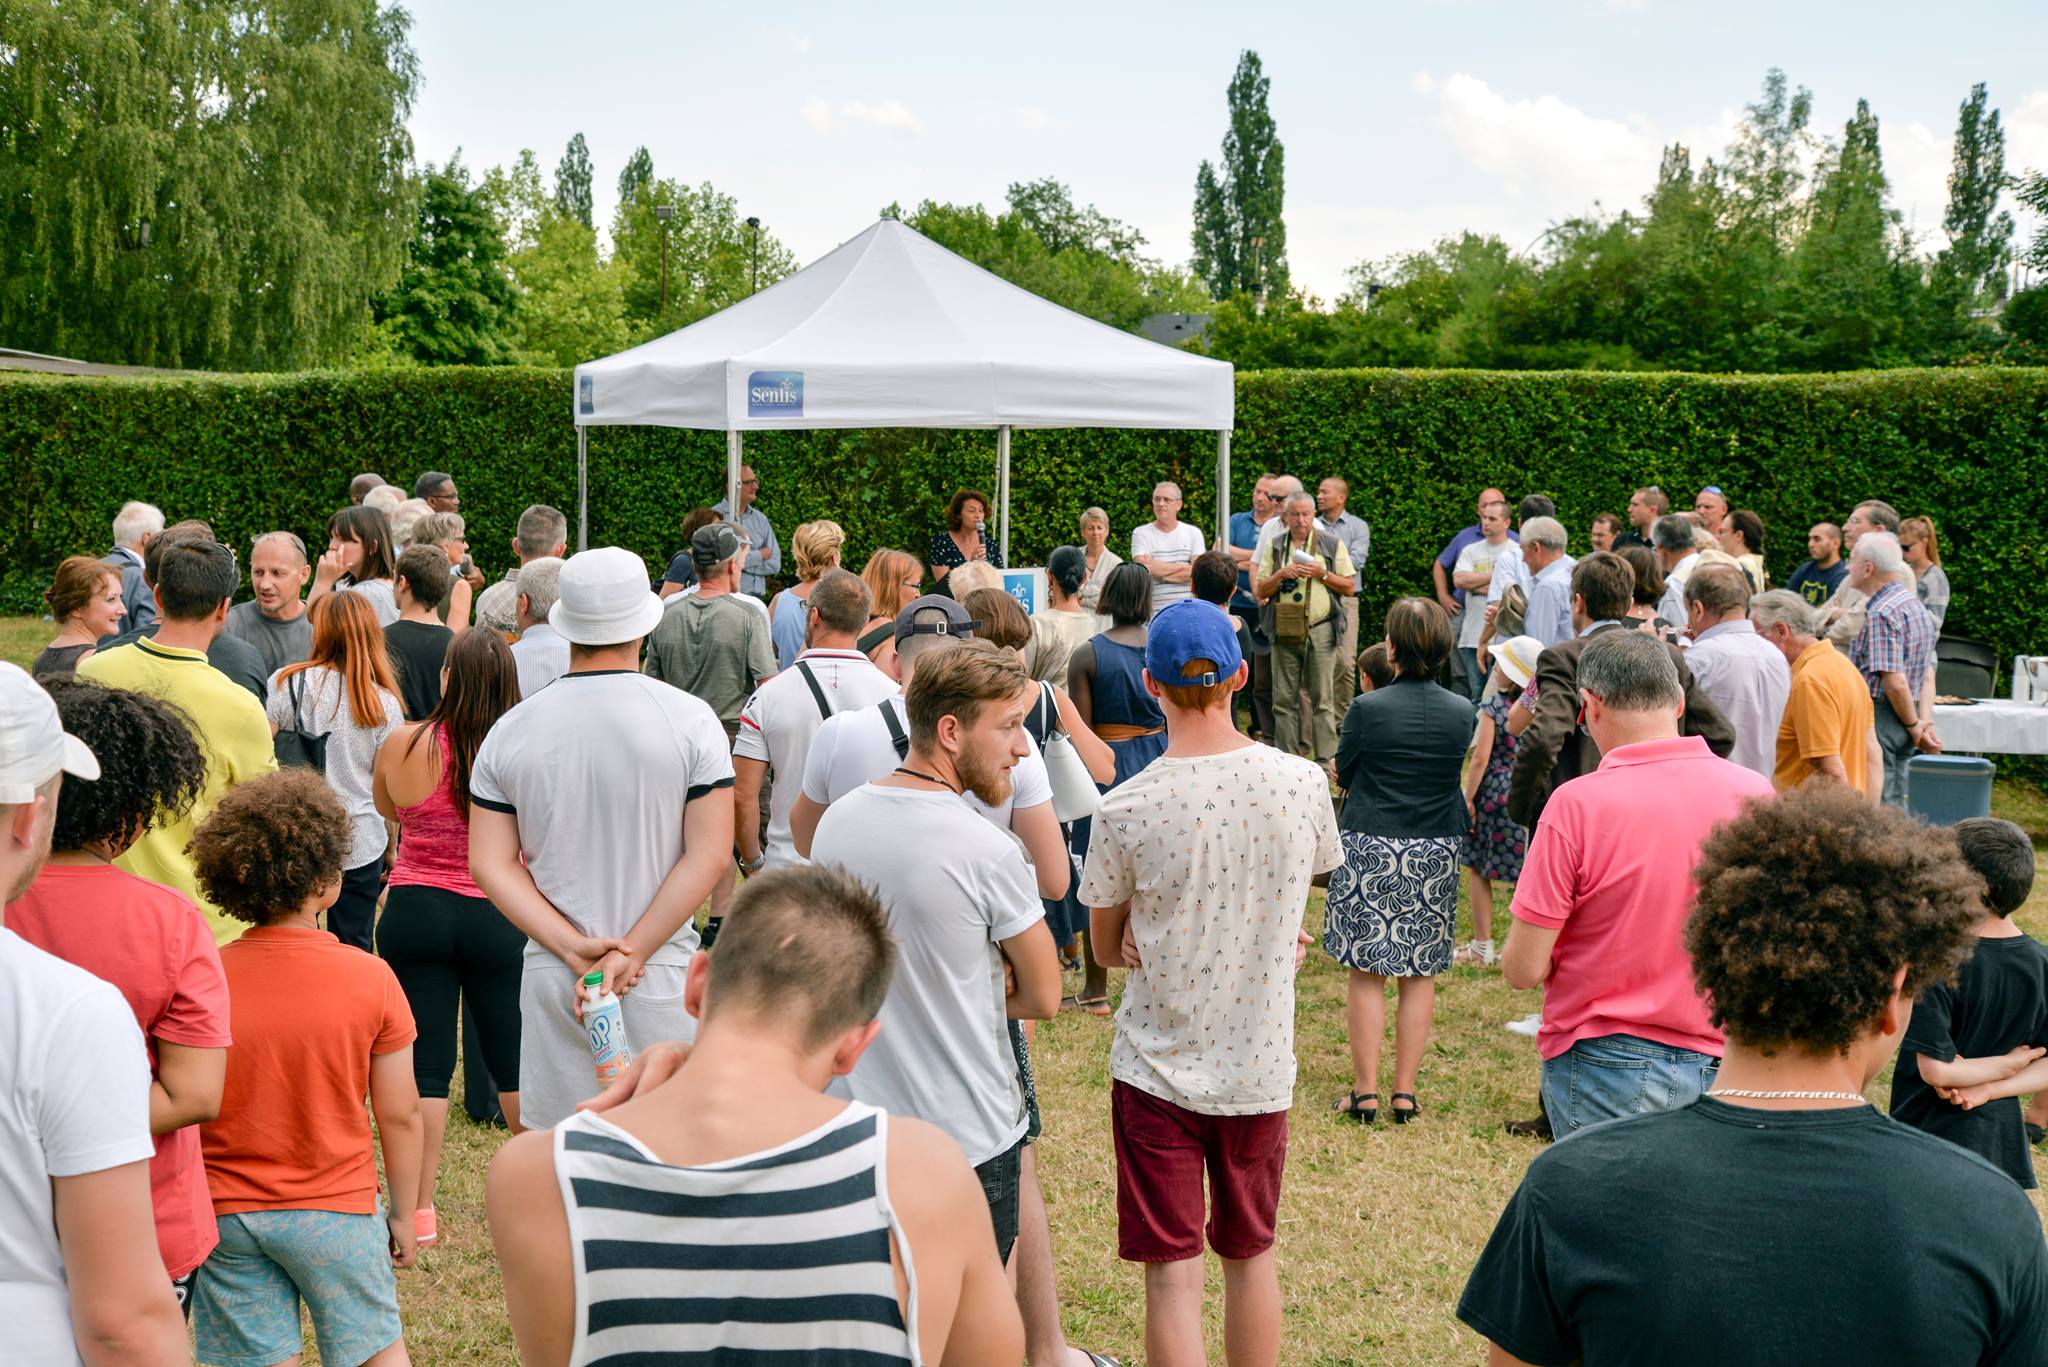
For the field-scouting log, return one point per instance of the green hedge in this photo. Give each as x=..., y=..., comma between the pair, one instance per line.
x=1967, y=447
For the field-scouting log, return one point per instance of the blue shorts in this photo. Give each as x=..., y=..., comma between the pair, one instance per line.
x=245, y=1303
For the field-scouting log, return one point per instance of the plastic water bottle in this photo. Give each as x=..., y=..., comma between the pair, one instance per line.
x=607, y=1027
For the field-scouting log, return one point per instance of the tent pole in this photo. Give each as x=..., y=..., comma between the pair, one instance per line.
x=732, y=475
x=1223, y=489
x=582, y=488
x=1003, y=491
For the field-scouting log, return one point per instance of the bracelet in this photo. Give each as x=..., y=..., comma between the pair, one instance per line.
x=756, y=864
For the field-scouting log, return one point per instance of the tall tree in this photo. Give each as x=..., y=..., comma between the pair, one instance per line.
x=1846, y=300
x=711, y=255
x=518, y=199
x=572, y=182
x=206, y=184
x=453, y=304
x=1240, y=236
x=2032, y=191
x=1972, y=265
x=636, y=177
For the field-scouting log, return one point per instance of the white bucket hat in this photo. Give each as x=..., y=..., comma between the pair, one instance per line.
x=604, y=599
x=1517, y=659
x=33, y=742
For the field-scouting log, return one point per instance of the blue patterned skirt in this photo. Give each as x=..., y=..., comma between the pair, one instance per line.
x=1393, y=905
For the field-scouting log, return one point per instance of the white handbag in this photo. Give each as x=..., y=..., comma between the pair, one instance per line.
x=1074, y=794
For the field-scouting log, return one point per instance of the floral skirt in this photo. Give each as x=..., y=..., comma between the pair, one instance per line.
x=1393, y=905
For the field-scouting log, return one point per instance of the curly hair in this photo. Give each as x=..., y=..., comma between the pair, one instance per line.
x=270, y=844
x=1810, y=904
x=152, y=768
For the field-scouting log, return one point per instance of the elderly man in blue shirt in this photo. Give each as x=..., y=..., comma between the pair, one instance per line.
x=764, y=552
x=1550, y=580
x=1351, y=529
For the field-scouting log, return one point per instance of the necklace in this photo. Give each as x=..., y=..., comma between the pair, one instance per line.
x=1755, y=1095
x=928, y=778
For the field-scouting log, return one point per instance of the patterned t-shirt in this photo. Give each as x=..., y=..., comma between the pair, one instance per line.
x=1214, y=854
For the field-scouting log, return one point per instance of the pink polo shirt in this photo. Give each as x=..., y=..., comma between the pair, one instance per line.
x=1610, y=869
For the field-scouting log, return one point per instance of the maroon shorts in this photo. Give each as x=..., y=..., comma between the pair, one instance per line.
x=1162, y=1151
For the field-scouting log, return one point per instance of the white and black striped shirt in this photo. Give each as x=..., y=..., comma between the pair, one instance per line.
x=775, y=1258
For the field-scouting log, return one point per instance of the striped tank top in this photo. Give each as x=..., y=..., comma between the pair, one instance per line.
x=775, y=1258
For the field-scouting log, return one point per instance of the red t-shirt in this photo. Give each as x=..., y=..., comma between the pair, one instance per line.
x=293, y=1134
x=150, y=942
x=1610, y=869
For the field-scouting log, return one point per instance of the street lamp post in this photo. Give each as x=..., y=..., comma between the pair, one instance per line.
x=663, y=213
x=754, y=271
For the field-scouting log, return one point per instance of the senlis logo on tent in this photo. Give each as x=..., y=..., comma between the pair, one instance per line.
x=586, y=395
x=775, y=394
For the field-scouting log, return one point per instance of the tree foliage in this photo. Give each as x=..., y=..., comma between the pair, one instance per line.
x=453, y=304
x=206, y=184
x=1074, y=255
x=1240, y=236
x=1780, y=252
x=712, y=255
x=572, y=182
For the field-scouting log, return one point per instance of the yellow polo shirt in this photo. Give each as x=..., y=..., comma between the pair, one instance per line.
x=1828, y=712
x=1321, y=602
x=232, y=731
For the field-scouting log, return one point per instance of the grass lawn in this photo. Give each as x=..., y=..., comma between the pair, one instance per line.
x=1378, y=1227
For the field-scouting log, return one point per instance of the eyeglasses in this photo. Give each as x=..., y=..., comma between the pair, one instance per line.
x=750, y=484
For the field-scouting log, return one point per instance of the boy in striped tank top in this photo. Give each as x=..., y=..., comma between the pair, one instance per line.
x=737, y=1209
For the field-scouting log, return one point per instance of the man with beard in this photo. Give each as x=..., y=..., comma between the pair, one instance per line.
x=961, y=902
x=79, y=1257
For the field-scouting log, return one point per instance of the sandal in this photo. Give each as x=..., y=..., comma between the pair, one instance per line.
x=1347, y=1105
x=1094, y=1006
x=1402, y=1117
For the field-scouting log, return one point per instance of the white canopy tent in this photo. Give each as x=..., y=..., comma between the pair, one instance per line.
x=893, y=330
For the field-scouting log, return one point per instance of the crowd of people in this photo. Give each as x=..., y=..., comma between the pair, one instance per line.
x=268, y=861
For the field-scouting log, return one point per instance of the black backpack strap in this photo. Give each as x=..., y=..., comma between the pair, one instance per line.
x=887, y=707
x=824, y=703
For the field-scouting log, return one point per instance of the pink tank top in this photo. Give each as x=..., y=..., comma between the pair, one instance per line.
x=433, y=839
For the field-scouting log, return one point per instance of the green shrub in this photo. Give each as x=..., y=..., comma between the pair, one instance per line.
x=253, y=453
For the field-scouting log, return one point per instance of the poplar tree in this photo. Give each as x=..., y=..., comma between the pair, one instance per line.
x=1240, y=238
x=572, y=182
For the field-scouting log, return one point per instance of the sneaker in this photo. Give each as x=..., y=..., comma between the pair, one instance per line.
x=1537, y=1128
x=2036, y=1133
x=424, y=1228
x=1528, y=1025
x=1476, y=954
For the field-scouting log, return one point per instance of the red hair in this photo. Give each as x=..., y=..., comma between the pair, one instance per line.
x=347, y=640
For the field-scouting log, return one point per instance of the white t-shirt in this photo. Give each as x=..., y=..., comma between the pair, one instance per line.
x=598, y=768
x=1508, y=568
x=954, y=886
x=1177, y=547
x=74, y=1099
x=855, y=748
x=1480, y=555
x=1215, y=854
x=779, y=721
x=351, y=748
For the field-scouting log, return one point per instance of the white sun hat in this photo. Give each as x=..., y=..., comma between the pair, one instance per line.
x=605, y=599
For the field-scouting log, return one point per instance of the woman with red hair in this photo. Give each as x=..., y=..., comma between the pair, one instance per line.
x=344, y=697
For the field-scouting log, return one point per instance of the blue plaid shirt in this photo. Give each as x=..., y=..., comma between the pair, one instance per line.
x=1897, y=638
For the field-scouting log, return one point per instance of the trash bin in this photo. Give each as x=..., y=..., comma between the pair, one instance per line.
x=1945, y=789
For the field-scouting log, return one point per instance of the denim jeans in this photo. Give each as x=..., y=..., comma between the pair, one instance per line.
x=1620, y=1075
x=1896, y=743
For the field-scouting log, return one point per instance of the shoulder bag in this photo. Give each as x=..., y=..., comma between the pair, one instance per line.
x=297, y=748
x=1074, y=794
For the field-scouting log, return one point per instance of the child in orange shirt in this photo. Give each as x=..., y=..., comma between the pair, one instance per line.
x=317, y=1024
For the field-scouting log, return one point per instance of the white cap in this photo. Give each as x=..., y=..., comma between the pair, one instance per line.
x=33, y=742
x=1517, y=659
x=604, y=599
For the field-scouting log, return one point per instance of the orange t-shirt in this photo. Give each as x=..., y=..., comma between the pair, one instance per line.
x=307, y=1013
x=1827, y=713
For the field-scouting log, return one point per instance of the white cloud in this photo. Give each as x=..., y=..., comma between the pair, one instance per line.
x=1033, y=118
x=1544, y=148
x=889, y=114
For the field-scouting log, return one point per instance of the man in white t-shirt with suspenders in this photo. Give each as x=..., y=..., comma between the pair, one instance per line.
x=779, y=722
x=79, y=1270
x=599, y=819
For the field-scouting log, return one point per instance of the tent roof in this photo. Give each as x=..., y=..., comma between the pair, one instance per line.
x=893, y=330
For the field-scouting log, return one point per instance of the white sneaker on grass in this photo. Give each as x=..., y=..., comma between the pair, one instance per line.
x=1527, y=1025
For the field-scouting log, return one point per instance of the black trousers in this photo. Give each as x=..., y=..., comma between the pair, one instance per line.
x=441, y=944
x=355, y=911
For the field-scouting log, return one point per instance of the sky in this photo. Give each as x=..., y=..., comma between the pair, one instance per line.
x=1402, y=122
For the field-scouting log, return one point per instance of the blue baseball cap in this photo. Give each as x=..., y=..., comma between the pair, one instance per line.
x=1186, y=631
